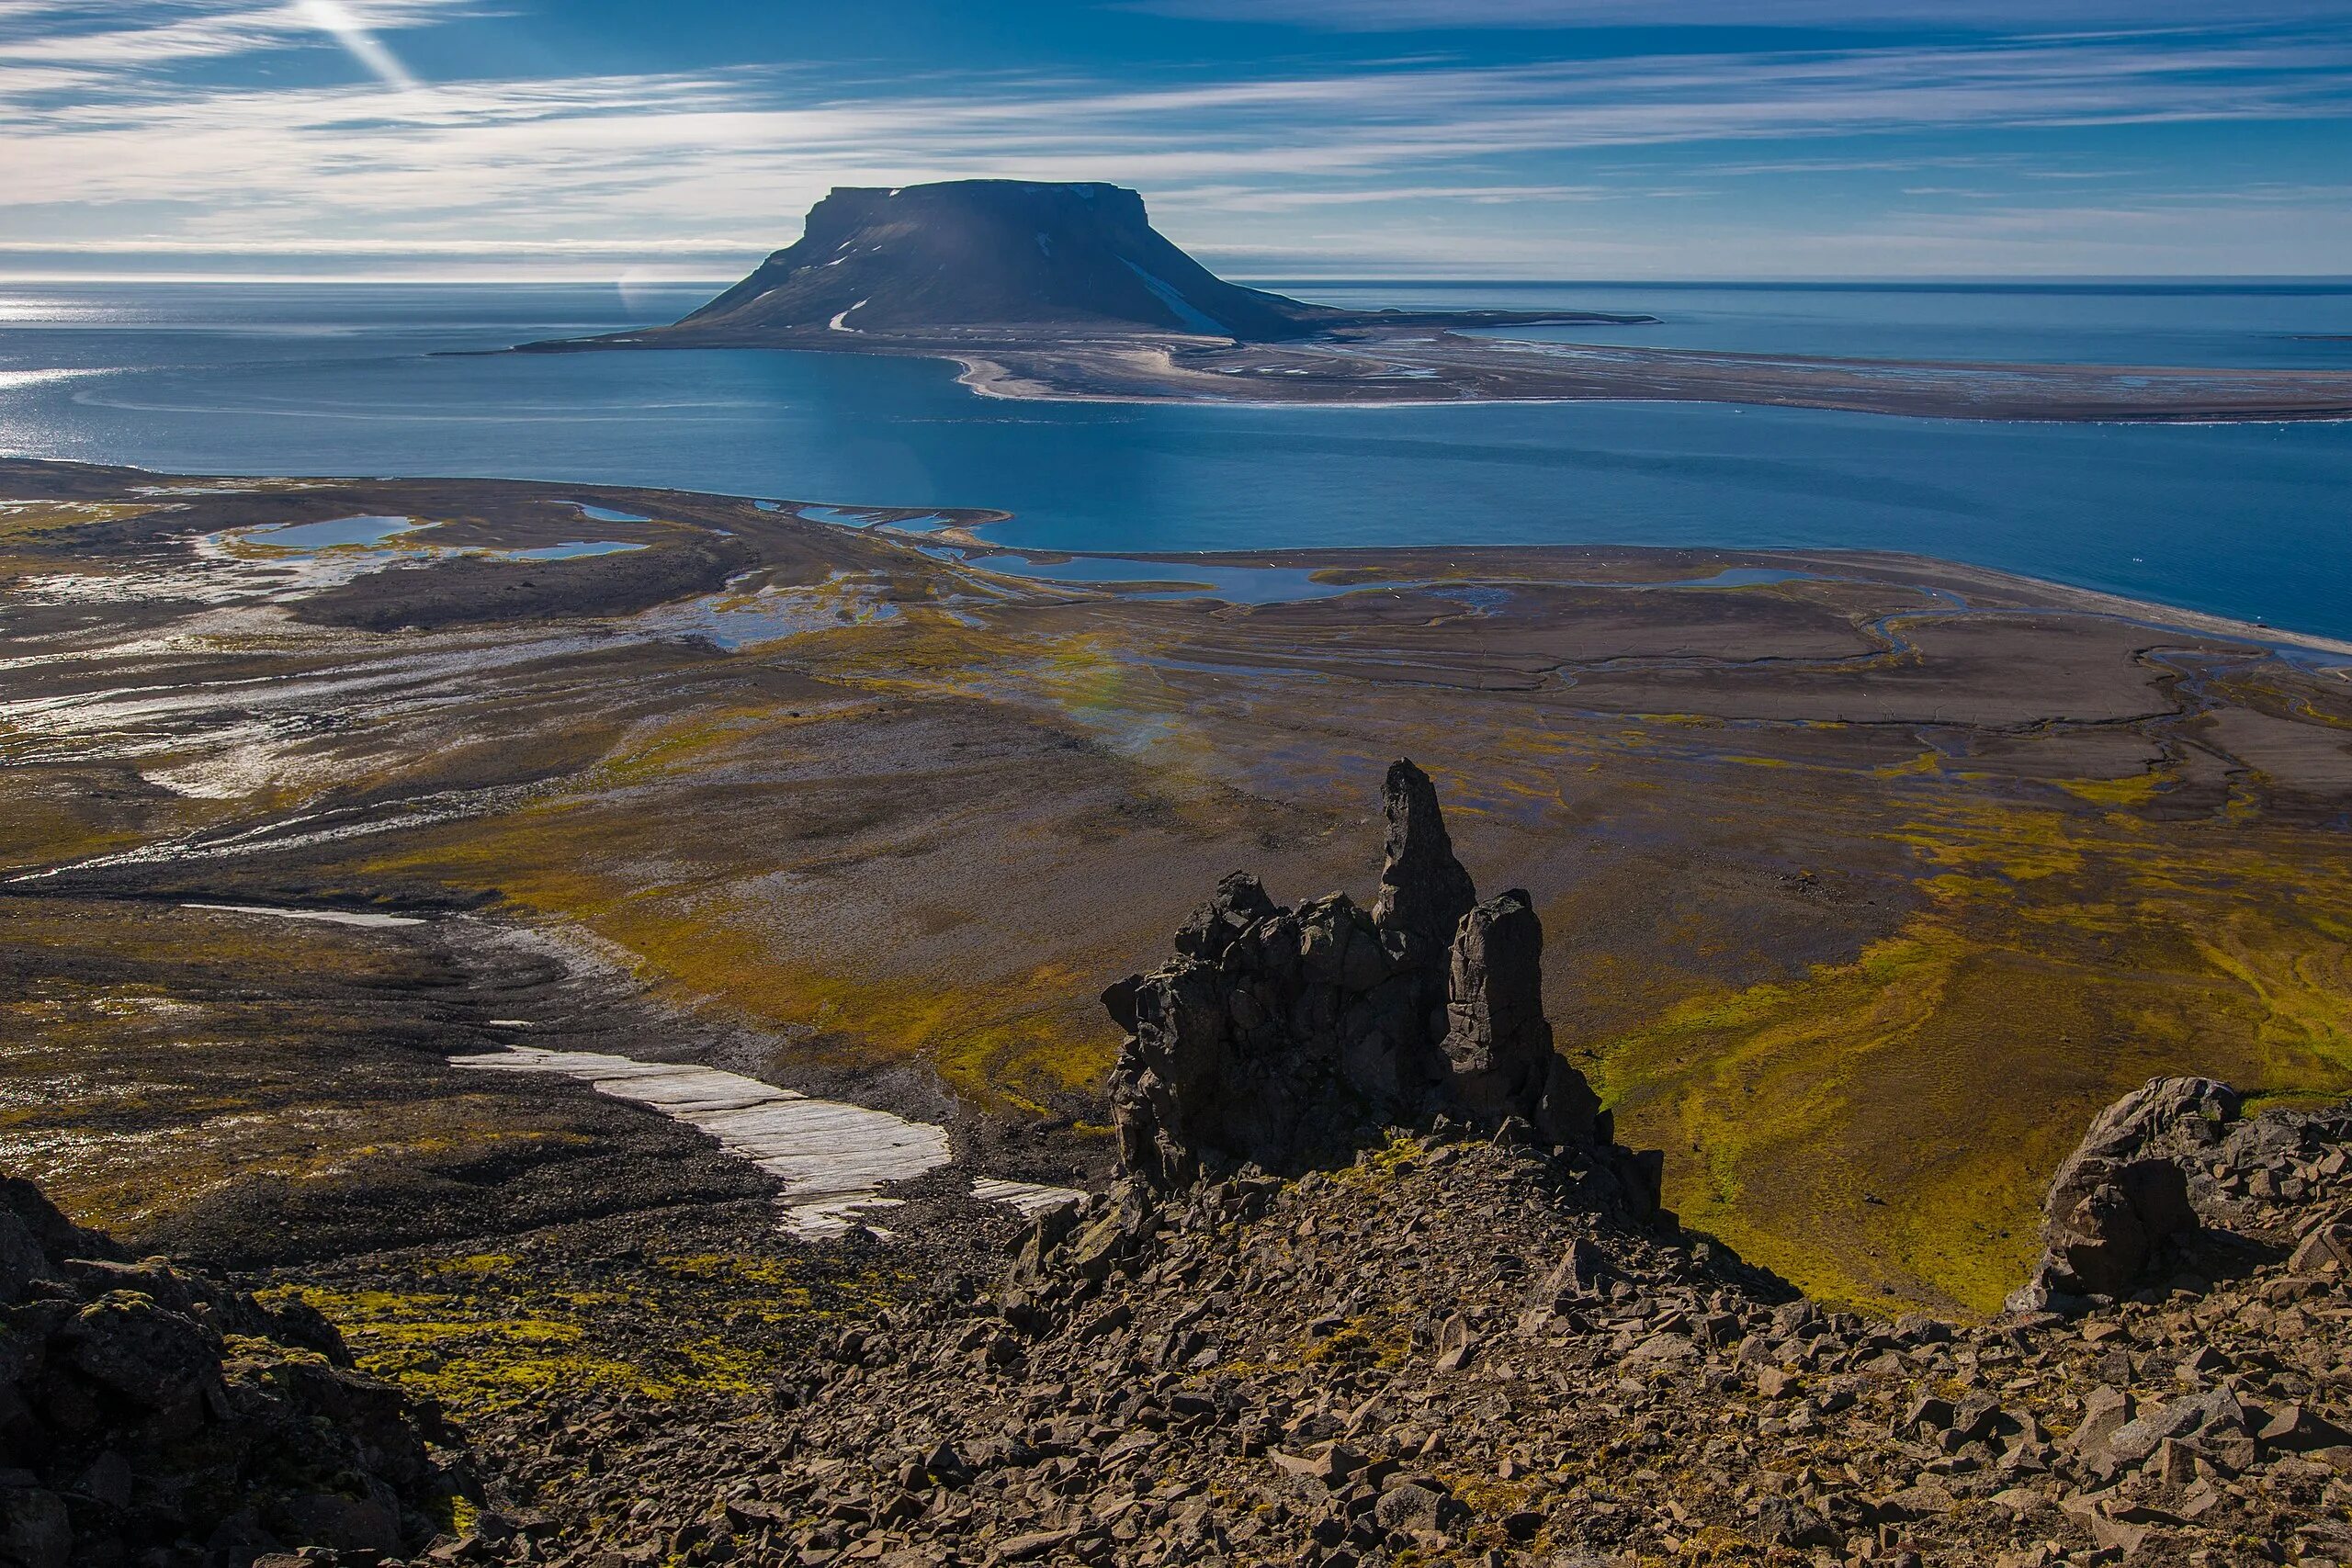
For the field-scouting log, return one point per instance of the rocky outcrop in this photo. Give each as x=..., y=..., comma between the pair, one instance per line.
x=1425, y=893
x=2123, y=1195
x=1498, y=1044
x=2167, y=1177
x=1281, y=1038
x=151, y=1415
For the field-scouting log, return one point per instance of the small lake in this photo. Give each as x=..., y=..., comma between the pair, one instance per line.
x=570, y=550
x=2252, y=522
x=333, y=533
x=400, y=533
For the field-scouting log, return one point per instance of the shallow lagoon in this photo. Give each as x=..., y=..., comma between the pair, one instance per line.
x=2247, y=521
x=398, y=535
x=333, y=533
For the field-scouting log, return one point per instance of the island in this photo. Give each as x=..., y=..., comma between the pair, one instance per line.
x=1066, y=291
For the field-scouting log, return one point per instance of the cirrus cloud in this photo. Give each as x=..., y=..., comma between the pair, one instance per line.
x=108, y=138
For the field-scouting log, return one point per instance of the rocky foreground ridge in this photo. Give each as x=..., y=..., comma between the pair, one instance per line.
x=1439, y=1353
x=151, y=1416
x=1377, y=1289
x=1295, y=1333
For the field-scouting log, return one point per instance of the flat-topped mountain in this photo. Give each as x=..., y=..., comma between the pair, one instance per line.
x=1005, y=257
x=994, y=252
x=1040, y=289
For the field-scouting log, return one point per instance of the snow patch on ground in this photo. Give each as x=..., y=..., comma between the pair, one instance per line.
x=328, y=917
x=1192, y=315
x=1031, y=1198
x=832, y=1159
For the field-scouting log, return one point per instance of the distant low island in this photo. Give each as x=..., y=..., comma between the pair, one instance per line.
x=1066, y=291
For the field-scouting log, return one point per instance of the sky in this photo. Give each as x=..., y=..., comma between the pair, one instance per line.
x=1275, y=139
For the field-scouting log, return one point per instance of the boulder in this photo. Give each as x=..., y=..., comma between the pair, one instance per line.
x=2327, y=1248
x=2178, y=1122
x=143, y=1406
x=2125, y=1192
x=2169, y=1163
x=2105, y=1242
x=2207, y=1414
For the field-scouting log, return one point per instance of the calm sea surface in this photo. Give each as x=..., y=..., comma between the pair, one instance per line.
x=2254, y=522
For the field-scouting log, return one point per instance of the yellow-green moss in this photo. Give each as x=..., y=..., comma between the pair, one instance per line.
x=1880, y=1130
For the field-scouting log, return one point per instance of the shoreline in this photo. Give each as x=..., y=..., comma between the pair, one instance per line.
x=2156, y=614
x=2153, y=614
x=986, y=379
x=1368, y=369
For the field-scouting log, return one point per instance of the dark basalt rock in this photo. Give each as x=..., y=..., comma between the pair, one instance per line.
x=1424, y=891
x=2122, y=1194
x=150, y=1415
x=1284, y=1038
x=1497, y=1043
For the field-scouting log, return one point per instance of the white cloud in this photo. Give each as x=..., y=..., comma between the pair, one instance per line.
x=98, y=41
x=1396, y=16
x=93, y=121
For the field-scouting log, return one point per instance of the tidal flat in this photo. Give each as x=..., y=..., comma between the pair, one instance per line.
x=1867, y=879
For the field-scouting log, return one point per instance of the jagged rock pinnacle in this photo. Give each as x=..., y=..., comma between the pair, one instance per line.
x=1424, y=891
x=1281, y=1038
x=1498, y=1041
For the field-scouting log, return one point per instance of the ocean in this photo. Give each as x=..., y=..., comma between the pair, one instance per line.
x=2252, y=522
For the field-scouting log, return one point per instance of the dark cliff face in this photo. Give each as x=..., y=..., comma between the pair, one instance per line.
x=993, y=253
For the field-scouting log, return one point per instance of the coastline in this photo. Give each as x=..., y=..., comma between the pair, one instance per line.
x=1921, y=570
x=968, y=529
x=1402, y=368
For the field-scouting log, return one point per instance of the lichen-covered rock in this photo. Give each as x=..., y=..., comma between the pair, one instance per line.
x=150, y=1415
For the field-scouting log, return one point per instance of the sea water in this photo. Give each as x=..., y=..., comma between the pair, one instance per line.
x=2252, y=522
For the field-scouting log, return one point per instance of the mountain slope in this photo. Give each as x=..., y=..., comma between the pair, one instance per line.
x=995, y=253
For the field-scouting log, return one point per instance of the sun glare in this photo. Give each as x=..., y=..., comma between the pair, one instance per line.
x=335, y=18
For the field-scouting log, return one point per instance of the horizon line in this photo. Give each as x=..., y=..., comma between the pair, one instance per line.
x=638, y=279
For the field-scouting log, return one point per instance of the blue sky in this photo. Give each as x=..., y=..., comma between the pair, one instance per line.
x=1570, y=139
